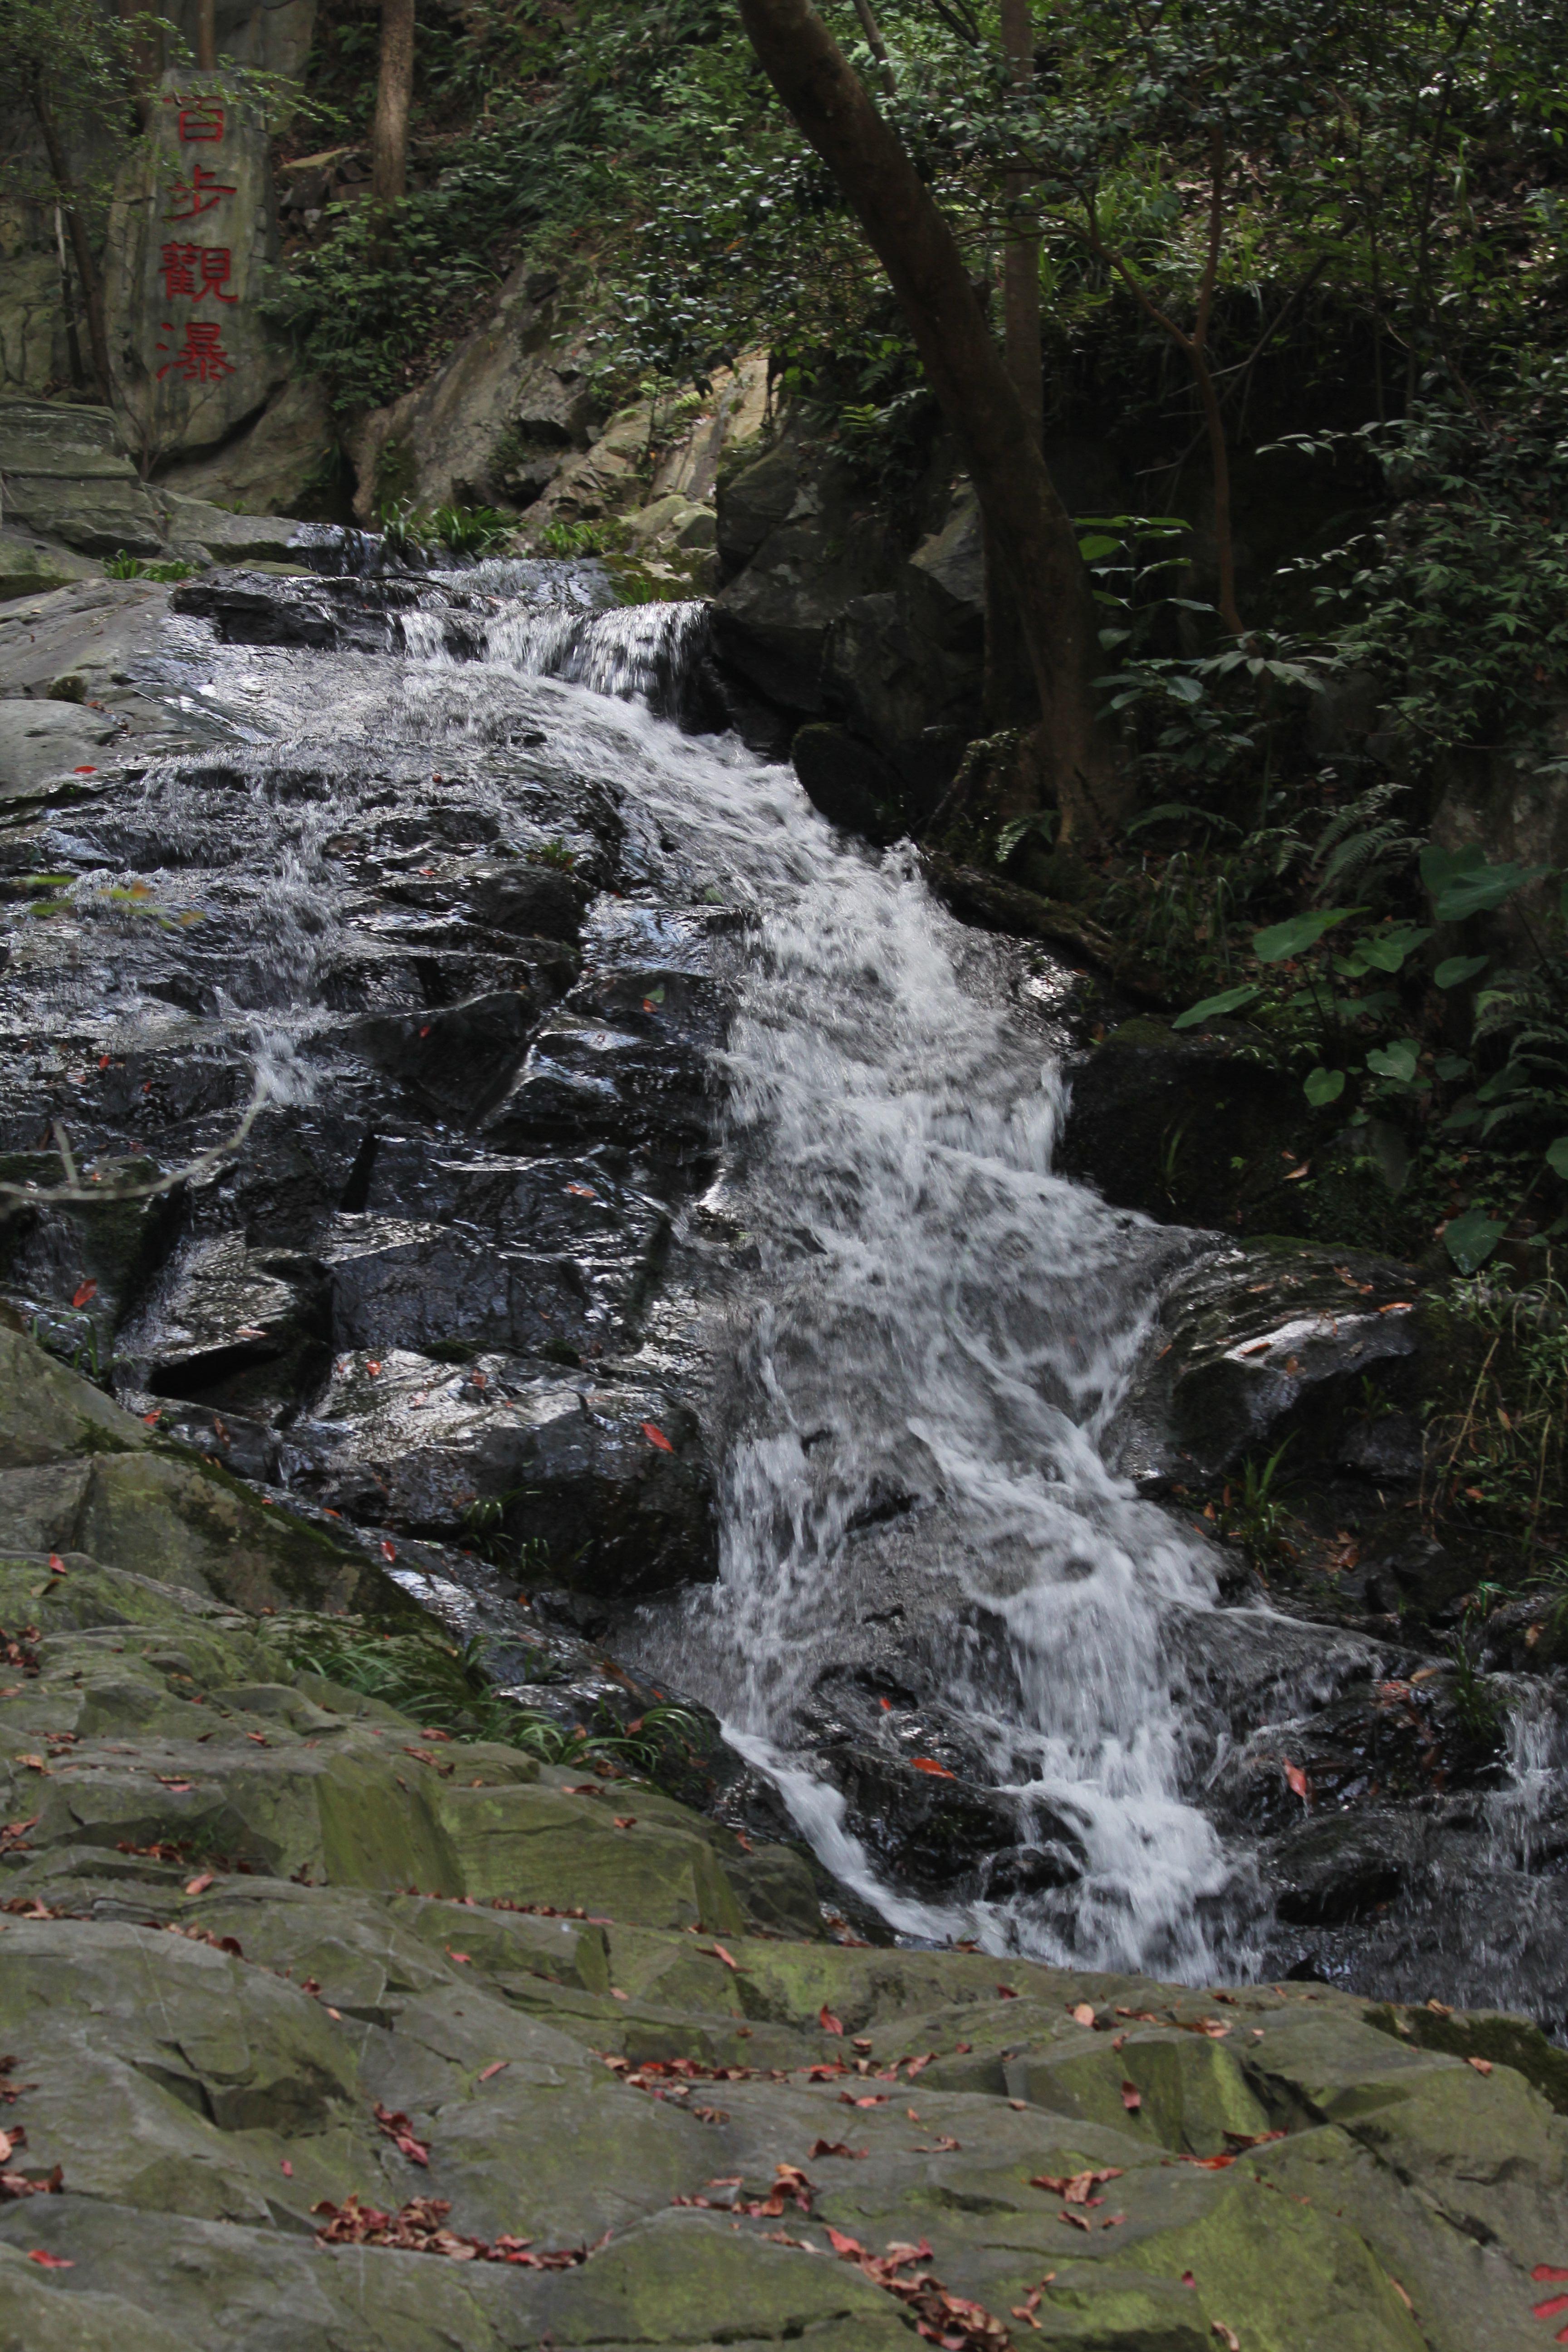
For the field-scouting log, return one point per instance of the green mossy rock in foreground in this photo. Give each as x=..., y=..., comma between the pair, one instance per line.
x=248, y=1914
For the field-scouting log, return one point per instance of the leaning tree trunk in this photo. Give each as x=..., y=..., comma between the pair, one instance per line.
x=76, y=228
x=1009, y=682
x=1033, y=533
x=393, y=93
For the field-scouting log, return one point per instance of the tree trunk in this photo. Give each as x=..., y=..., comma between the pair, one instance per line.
x=144, y=58
x=76, y=228
x=1032, y=531
x=1021, y=288
x=1009, y=678
x=207, y=34
x=393, y=92
x=878, y=46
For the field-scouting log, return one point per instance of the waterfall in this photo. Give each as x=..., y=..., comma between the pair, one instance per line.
x=936, y=1317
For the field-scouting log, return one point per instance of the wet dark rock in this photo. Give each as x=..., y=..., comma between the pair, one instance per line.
x=84, y=1268
x=850, y=783
x=613, y=1480
x=625, y=1060
x=459, y=1058
x=231, y=1327
x=537, y=900
x=396, y=1285
x=930, y=1833
x=1340, y=1868
x=1252, y=1343
x=1194, y=1126
x=253, y=608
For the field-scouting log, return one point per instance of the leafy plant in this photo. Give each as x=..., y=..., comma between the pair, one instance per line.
x=439, y=1684
x=132, y=567
x=1252, y=1514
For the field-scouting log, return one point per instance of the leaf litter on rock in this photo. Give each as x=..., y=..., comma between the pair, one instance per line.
x=400, y=2131
x=420, y=2228
x=952, y=2321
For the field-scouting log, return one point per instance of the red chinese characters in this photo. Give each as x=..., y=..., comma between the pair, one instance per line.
x=200, y=120
x=196, y=270
x=200, y=196
x=201, y=358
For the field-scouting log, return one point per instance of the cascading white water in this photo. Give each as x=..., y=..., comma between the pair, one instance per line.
x=959, y=1322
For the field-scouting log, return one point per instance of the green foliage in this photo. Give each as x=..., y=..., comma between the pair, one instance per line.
x=1252, y=1514
x=1496, y=1449
x=442, y=1685
x=132, y=567
x=457, y=530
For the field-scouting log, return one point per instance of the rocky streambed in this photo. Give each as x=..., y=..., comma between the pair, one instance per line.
x=614, y=1214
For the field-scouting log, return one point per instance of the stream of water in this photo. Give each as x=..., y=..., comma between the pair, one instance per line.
x=957, y=1322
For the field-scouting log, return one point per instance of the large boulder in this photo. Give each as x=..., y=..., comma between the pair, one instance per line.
x=494, y=425
x=192, y=234
x=330, y=2031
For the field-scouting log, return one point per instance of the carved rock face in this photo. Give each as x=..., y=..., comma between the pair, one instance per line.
x=191, y=231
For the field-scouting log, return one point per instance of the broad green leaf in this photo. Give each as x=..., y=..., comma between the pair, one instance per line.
x=1092, y=549
x=1454, y=971
x=1450, y=1066
x=1229, y=1002
x=1293, y=938
x=1324, y=1087
x=1557, y=1157
x=1478, y=893
x=1395, y=1061
x=1388, y=950
x=1471, y=1240
x=1474, y=889
x=1441, y=866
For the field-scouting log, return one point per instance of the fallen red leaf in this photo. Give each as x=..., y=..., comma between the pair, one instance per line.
x=57, y=1565
x=1299, y=1783
x=928, y=1764
x=400, y=2131
x=462, y=1958
x=496, y=2066
x=1550, y=2308
x=625, y=1821
x=828, y=2022
x=287, y=2169
x=655, y=1436
x=1074, y=2187
x=834, y=2147
x=199, y=1885
x=1005, y=1992
x=1131, y=2097
x=75, y=772
x=728, y=1958
x=51, y=2261
x=85, y=1291
x=1544, y=2271
x=849, y=2248
x=1481, y=2065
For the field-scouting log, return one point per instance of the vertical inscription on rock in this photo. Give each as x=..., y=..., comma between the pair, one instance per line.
x=192, y=232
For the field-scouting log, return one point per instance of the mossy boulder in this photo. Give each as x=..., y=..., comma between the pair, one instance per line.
x=271, y=1952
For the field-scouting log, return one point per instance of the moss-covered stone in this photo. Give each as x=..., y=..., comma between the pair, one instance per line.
x=268, y=1943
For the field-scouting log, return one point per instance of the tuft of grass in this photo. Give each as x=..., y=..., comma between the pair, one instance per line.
x=1251, y=1514
x=442, y=1685
x=121, y=566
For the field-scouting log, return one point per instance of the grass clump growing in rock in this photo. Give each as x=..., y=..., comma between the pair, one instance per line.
x=441, y=1686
